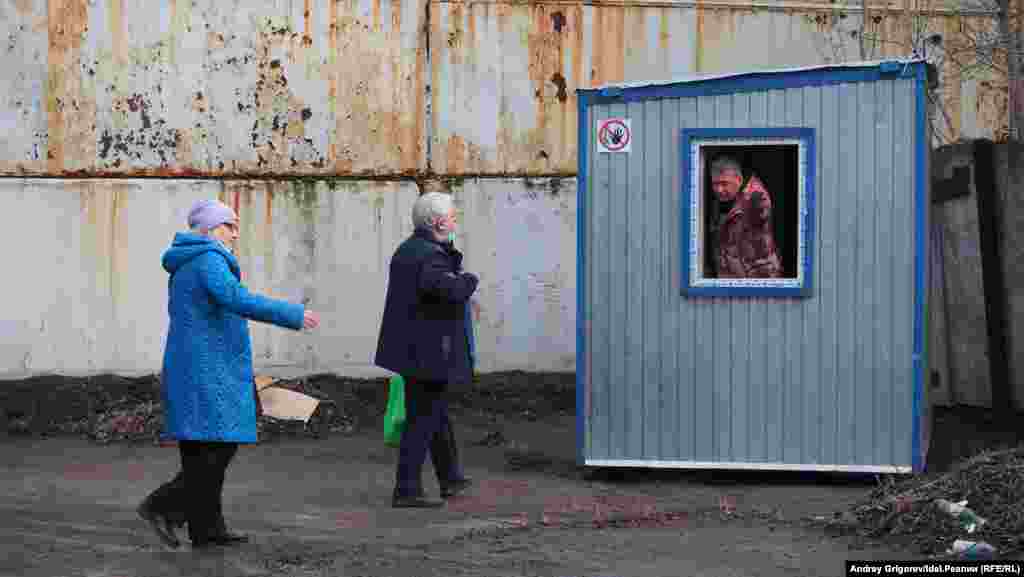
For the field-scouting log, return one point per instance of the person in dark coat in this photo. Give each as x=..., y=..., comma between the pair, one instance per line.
x=426, y=337
x=207, y=378
x=746, y=244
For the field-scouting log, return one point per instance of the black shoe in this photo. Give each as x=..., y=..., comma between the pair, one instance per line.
x=455, y=487
x=415, y=502
x=163, y=528
x=206, y=544
x=230, y=539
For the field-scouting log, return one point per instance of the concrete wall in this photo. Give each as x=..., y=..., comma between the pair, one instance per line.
x=85, y=292
x=137, y=109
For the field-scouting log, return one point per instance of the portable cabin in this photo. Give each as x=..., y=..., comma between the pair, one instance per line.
x=684, y=363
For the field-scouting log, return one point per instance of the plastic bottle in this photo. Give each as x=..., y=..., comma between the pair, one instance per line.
x=973, y=549
x=968, y=519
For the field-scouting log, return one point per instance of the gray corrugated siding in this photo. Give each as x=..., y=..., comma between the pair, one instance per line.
x=823, y=380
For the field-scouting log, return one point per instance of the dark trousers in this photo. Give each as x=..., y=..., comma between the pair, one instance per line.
x=428, y=427
x=193, y=496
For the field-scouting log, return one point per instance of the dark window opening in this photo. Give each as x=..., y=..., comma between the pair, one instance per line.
x=778, y=168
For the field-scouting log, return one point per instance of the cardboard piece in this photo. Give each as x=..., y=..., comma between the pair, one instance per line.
x=285, y=404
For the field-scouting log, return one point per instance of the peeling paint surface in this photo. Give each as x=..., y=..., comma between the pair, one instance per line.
x=384, y=88
x=208, y=88
x=505, y=75
x=98, y=301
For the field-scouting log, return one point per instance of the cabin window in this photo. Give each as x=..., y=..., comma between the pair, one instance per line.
x=748, y=210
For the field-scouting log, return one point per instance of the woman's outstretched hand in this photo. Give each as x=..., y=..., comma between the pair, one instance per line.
x=310, y=320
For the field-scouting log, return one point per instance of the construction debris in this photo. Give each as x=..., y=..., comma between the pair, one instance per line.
x=919, y=509
x=109, y=408
x=139, y=417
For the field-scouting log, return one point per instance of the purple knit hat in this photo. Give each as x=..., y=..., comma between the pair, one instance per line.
x=209, y=214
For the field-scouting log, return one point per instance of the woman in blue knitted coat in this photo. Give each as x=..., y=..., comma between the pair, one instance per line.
x=208, y=393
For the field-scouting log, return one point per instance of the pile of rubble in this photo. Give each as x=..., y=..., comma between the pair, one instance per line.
x=111, y=409
x=980, y=501
x=139, y=417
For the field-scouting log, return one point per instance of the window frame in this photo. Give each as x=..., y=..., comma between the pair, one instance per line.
x=692, y=211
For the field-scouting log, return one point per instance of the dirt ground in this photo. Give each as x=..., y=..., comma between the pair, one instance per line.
x=322, y=507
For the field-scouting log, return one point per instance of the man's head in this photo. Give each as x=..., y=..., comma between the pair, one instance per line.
x=435, y=212
x=214, y=219
x=726, y=178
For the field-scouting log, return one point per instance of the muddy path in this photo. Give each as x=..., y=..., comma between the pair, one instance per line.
x=320, y=506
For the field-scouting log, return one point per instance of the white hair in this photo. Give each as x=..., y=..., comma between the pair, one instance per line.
x=725, y=163
x=430, y=207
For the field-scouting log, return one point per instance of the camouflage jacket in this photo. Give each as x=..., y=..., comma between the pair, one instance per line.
x=746, y=244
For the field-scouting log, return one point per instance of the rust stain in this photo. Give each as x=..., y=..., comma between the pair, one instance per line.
x=598, y=47
x=663, y=34
x=183, y=146
x=85, y=196
x=698, y=42
x=268, y=231
x=199, y=102
x=350, y=91
x=578, y=81
x=456, y=154
x=117, y=239
x=275, y=106
x=117, y=28
x=455, y=37
x=557, y=20
x=540, y=48
x=307, y=24
x=67, y=21
x=269, y=196
x=376, y=122
x=91, y=245
x=634, y=44
x=563, y=112
x=408, y=147
x=420, y=71
x=332, y=79
x=504, y=117
x=618, y=55
x=471, y=39
x=215, y=41
x=396, y=21
x=577, y=49
x=952, y=94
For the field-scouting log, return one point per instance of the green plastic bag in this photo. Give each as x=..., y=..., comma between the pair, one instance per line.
x=394, y=415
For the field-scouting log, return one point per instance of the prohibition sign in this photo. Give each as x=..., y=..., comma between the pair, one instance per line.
x=614, y=135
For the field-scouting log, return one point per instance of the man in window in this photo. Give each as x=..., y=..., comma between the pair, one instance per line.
x=746, y=245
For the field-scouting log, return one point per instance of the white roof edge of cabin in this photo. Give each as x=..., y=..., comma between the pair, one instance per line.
x=774, y=71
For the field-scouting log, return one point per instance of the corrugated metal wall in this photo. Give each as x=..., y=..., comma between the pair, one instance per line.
x=505, y=74
x=210, y=87
x=388, y=87
x=825, y=380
